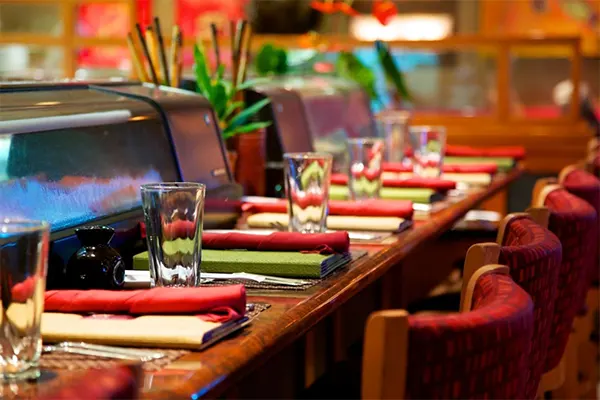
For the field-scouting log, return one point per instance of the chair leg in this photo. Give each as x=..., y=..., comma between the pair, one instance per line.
x=589, y=349
x=570, y=387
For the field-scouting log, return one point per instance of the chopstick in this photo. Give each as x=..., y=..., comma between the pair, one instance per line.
x=151, y=41
x=244, y=54
x=161, y=52
x=176, y=56
x=234, y=44
x=136, y=59
x=215, y=42
x=140, y=35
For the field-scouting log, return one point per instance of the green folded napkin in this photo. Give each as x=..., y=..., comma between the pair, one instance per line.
x=504, y=163
x=274, y=263
x=416, y=195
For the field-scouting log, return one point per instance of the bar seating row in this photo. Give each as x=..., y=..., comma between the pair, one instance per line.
x=583, y=352
x=514, y=336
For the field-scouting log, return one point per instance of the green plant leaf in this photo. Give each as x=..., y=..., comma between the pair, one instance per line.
x=265, y=60
x=282, y=63
x=247, y=113
x=231, y=107
x=228, y=133
x=201, y=72
x=271, y=60
x=392, y=73
x=220, y=72
x=219, y=99
x=350, y=67
x=251, y=82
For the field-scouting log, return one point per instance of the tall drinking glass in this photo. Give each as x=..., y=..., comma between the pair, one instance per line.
x=366, y=158
x=392, y=126
x=23, y=266
x=174, y=214
x=428, y=145
x=307, y=177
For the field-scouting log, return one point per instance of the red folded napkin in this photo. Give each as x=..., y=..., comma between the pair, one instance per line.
x=516, y=152
x=324, y=243
x=118, y=382
x=488, y=168
x=23, y=291
x=216, y=304
x=440, y=185
x=365, y=208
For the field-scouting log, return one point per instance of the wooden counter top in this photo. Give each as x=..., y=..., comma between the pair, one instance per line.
x=293, y=313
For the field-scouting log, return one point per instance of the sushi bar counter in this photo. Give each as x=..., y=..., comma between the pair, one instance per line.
x=77, y=155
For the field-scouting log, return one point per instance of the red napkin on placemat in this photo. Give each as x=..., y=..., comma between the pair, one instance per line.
x=490, y=168
x=217, y=304
x=516, y=152
x=440, y=185
x=365, y=208
x=325, y=243
x=118, y=382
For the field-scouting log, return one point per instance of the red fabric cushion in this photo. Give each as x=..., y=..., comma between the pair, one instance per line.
x=574, y=222
x=481, y=354
x=533, y=255
x=516, y=152
x=586, y=186
x=448, y=168
x=596, y=164
x=211, y=303
x=118, y=382
x=440, y=185
x=325, y=243
x=365, y=208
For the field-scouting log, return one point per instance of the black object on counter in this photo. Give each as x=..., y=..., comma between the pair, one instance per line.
x=96, y=265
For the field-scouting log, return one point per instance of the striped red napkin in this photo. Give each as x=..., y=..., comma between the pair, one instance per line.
x=365, y=208
x=516, y=152
x=325, y=243
x=440, y=185
x=118, y=382
x=484, y=168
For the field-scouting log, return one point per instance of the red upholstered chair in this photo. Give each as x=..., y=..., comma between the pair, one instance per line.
x=534, y=256
x=574, y=222
x=587, y=186
x=592, y=161
x=481, y=353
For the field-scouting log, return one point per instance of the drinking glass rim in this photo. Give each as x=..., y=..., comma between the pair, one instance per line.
x=172, y=186
x=427, y=128
x=307, y=156
x=22, y=225
x=365, y=140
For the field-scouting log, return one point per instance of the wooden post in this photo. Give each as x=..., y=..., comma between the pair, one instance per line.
x=67, y=15
x=503, y=82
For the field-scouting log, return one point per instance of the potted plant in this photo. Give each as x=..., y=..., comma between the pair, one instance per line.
x=242, y=133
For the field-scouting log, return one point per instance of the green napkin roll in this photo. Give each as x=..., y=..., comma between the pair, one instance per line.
x=274, y=263
x=416, y=195
x=504, y=163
